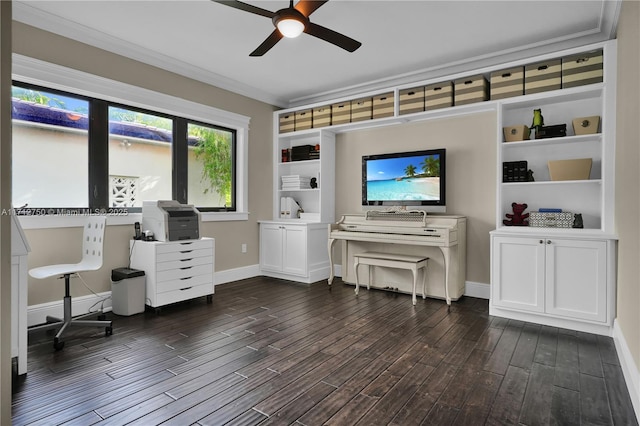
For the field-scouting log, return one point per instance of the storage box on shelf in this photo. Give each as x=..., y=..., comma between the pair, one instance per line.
x=586, y=125
x=287, y=122
x=304, y=119
x=341, y=113
x=411, y=100
x=581, y=69
x=507, y=83
x=321, y=116
x=438, y=95
x=361, y=109
x=469, y=90
x=383, y=105
x=542, y=76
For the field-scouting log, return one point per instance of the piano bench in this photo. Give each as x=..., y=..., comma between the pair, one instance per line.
x=390, y=260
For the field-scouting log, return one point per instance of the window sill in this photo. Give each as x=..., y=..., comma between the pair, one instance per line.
x=70, y=221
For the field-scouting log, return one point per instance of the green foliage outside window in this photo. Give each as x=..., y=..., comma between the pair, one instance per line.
x=214, y=150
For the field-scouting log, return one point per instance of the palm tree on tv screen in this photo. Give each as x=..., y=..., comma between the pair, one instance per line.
x=431, y=166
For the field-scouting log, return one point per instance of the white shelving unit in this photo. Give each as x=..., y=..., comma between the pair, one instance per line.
x=593, y=198
x=562, y=277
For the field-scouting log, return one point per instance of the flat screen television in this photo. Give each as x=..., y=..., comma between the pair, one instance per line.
x=413, y=180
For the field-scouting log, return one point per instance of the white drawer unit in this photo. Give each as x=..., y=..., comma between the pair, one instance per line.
x=175, y=270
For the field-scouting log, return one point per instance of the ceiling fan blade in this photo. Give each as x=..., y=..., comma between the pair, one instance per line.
x=246, y=7
x=307, y=7
x=340, y=40
x=267, y=44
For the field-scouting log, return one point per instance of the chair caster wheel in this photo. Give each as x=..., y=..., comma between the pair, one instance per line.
x=108, y=331
x=58, y=344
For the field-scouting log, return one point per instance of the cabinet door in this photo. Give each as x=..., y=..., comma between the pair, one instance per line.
x=576, y=281
x=271, y=247
x=294, y=250
x=517, y=274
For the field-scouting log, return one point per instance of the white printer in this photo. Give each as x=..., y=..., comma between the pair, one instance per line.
x=171, y=221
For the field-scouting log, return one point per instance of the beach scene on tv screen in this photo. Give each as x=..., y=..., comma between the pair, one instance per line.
x=404, y=178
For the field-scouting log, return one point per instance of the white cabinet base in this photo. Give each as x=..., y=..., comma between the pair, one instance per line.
x=554, y=279
x=294, y=251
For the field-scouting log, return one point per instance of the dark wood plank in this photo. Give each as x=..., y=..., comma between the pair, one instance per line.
x=505, y=410
x=619, y=401
x=594, y=406
x=589, y=355
x=536, y=407
x=299, y=406
x=567, y=372
x=565, y=407
x=526, y=347
x=547, y=346
x=499, y=360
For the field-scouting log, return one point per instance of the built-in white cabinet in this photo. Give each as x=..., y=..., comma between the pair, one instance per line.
x=559, y=276
x=568, y=279
x=296, y=252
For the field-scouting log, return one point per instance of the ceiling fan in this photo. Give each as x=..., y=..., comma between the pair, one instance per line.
x=291, y=22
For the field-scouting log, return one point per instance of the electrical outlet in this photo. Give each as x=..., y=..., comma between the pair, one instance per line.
x=244, y=248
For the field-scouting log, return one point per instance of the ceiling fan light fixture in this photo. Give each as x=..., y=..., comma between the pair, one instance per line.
x=290, y=27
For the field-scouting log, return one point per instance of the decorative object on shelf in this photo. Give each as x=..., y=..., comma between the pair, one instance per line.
x=302, y=152
x=516, y=133
x=538, y=121
x=515, y=171
x=576, y=169
x=548, y=219
x=530, y=177
x=518, y=218
x=285, y=155
x=555, y=131
x=586, y=125
x=577, y=221
x=313, y=183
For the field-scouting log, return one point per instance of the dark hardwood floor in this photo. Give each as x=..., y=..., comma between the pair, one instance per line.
x=268, y=351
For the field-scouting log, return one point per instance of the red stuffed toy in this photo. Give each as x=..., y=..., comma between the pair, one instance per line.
x=517, y=218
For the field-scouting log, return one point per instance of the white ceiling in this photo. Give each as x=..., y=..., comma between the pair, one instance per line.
x=402, y=41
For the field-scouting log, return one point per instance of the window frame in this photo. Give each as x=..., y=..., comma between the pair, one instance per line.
x=49, y=76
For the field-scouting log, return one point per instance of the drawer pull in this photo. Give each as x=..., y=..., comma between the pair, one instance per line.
x=185, y=268
x=185, y=278
x=186, y=251
x=185, y=244
x=186, y=288
x=186, y=260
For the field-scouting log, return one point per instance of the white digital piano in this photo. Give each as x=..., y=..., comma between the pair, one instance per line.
x=439, y=237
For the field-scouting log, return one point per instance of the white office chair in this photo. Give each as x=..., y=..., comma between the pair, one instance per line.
x=92, y=244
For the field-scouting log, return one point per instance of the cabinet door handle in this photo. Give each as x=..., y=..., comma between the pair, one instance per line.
x=548, y=241
x=541, y=242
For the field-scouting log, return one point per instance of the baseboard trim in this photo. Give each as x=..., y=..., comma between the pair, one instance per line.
x=629, y=367
x=479, y=290
x=37, y=314
x=237, y=274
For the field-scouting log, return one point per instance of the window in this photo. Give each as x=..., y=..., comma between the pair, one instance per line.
x=50, y=149
x=75, y=152
x=140, y=144
x=211, y=166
